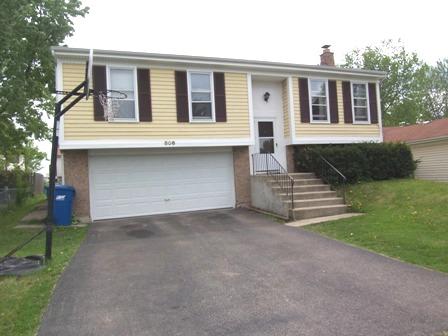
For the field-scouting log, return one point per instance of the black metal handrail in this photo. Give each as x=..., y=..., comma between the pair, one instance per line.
x=331, y=175
x=266, y=163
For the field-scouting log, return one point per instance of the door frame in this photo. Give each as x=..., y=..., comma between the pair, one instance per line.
x=279, y=148
x=257, y=135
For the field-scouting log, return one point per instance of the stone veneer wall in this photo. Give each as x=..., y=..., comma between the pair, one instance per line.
x=76, y=174
x=241, y=168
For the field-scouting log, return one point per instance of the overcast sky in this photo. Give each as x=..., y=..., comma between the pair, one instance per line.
x=281, y=30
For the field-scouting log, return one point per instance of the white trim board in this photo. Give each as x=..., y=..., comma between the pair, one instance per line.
x=251, y=119
x=157, y=151
x=292, y=118
x=251, y=107
x=98, y=144
x=334, y=140
x=59, y=87
x=380, y=112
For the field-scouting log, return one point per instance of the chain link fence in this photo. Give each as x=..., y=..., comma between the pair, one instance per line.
x=8, y=196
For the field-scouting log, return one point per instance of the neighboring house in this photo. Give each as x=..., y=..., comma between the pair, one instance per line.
x=184, y=137
x=429, y=145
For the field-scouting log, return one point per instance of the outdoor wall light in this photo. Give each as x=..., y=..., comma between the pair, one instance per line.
x=266, y=96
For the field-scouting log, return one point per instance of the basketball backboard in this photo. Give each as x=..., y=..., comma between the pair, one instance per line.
x=88, y=75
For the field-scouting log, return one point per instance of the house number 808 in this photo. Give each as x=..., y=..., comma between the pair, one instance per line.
x=170, y=142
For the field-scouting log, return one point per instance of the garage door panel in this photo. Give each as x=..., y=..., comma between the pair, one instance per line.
x=123, y=186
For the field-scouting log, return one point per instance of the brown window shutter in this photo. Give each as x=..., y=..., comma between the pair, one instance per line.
x=304, y=100
x=181, y=96
x=220, y=97
x=373, y=104
x=347, y=102
x=99, y=85
x=333, y=96
x=144, y=95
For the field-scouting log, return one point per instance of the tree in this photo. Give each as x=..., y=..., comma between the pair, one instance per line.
x=405, y=89
x=437, y=99
x=29, y=29
x=27, y=159
x=31, y=158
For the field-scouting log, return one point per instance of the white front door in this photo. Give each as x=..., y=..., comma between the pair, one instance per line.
x=267, y=145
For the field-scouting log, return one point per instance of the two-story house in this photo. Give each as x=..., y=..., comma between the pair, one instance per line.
x=183, y=137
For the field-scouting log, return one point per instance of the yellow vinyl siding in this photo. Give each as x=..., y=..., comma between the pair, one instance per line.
x=327, y=130
x=433, y=158
x=79, y=123
x=285, y=102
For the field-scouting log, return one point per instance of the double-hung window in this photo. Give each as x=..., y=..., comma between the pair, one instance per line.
x=319, y=100
x=201, y=96
x=360, y=103
x=123, y=80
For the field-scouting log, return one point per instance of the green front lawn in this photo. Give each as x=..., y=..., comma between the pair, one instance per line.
x=24, y=299
x=405, y=219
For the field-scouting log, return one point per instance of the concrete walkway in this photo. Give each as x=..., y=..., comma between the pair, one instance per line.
x=316, y=220
x=236, y=272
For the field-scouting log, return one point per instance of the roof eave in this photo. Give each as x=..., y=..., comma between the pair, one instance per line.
x=426, y=140
x=59, y=52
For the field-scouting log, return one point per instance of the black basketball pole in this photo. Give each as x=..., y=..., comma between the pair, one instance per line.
x=58, y=113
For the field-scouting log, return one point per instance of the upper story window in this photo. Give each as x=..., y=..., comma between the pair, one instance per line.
x=360, y=103
x=319, y=100
x=123, y=80
x=201, y=96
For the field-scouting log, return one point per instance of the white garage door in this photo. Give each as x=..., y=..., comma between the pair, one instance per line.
x=123, y=185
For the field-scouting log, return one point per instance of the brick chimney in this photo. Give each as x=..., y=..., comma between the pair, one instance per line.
x=327, y=57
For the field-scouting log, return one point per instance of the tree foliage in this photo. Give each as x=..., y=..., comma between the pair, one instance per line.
x=29, y=29
x=412, y=91
x=437, y=99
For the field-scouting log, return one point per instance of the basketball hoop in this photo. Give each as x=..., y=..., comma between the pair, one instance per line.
x=110, y=101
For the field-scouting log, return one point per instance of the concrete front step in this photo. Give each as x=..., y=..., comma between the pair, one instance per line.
x=319, y=211
x=316, y=202
x=309, y=195
x=298, y=182
x=305, y=188
x=300, y=176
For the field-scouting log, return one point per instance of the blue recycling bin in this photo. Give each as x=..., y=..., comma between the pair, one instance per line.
x=63, y=204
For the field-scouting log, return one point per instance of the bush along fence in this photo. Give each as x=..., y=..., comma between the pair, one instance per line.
x=358, y=162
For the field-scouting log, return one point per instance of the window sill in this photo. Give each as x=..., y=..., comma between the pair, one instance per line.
x=362, y=123
x=319, y=121
x=202, y=121
x=124, y=121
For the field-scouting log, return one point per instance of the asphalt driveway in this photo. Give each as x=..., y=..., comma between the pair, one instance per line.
x=236, y=272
